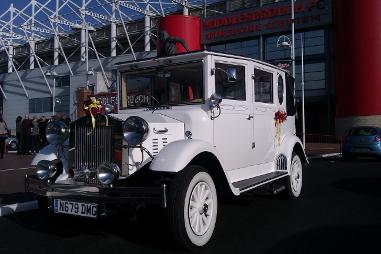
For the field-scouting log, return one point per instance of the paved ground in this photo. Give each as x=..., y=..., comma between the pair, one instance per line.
x=338, y=213
x=316, y=149
x=12, y=172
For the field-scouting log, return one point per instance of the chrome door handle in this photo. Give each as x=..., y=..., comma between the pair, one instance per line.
x=165, y=130
x=250, y=117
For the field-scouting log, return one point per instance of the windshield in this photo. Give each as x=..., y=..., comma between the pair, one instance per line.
x=166, y=85
x=363, y=131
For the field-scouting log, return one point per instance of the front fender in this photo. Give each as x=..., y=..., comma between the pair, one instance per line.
x=49, y=153
x=289, y=144
x=176, y=155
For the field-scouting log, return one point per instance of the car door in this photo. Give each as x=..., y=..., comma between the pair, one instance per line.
x=264, y=108
x=233, y=123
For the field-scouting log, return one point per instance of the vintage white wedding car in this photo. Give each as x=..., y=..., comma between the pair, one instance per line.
x=189, y=127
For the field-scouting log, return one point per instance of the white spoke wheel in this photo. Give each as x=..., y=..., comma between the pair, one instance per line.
x=192, y=207
x=13, y=145
x=294, y=182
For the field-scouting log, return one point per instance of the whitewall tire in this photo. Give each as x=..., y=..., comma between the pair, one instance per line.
x=192, y=207
x=294, y=181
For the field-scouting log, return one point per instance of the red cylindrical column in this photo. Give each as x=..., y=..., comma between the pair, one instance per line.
x=357, y=29
x=187, y=28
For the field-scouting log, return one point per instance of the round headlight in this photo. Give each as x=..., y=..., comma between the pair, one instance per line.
x=46, y=169
x=108, y=172
x=135, y=130
x=56, y=132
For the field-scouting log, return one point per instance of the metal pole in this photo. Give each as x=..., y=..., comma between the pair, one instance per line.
x=87, y=47
x=293, y=39
x=113, y=30
x=204, y=8
x=32, y=43
x=56, y=38
x=83, y=32
x=87, y=56
x=54, y=95
x=185, y=8
x=147, y=28
x=10, y=43
x=303, y=113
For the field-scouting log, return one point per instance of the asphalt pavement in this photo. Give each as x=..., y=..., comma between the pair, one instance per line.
x=339, y=212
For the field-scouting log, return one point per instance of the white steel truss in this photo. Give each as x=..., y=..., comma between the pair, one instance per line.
x=42, y=20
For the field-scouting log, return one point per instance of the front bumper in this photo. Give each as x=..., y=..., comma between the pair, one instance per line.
x=97, y=194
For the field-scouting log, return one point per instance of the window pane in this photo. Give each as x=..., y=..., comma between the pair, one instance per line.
x=263, y=86
x=280, y=89
x=248, y=48
x=228, y=89
x=175, y=85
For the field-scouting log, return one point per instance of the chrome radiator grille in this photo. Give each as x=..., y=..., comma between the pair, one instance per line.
x=92, y=147
x=281, y=162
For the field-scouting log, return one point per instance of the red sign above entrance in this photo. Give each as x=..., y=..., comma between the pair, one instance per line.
x=265, y=20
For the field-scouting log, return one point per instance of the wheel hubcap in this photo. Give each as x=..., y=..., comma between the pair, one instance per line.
x=296, y=177
x=200, y=208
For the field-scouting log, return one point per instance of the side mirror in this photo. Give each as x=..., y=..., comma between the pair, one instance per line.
x=215, y=100
x=232, y=74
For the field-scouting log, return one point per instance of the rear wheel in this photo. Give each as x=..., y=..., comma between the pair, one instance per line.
x=13, y=146
x=294, y=181
x=192, y=207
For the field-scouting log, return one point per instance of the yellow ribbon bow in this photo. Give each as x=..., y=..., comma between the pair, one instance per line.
x=94, y=104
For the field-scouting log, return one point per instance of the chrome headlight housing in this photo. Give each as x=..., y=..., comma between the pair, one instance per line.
x=135, y=130
x=46, y=169
x=56, y=132
x=108, y=172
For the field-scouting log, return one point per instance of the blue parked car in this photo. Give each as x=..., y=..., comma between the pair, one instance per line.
x=362, y=141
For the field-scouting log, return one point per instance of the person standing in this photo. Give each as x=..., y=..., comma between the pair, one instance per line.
x=18, y=133
x=3, y=136
x=25, y=135
x=66, y=120
x=42, y=128
x=35, y=136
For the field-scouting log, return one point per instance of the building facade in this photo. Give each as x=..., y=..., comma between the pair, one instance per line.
x=341, y=89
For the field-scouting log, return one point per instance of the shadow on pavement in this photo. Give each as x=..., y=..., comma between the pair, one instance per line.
x=364, y=186
x=335, y=239
x=148, y=229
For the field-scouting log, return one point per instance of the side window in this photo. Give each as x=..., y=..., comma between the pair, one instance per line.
x=290, y=101
x=227, y=87
x=280, y=89
x=263, y=86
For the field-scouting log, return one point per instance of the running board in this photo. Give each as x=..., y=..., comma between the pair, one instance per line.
x=251, y=183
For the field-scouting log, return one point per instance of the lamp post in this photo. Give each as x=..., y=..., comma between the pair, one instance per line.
x=285, y=42
x=87, y=28
x=302, y=83
x=53, y=75
x=293, y=39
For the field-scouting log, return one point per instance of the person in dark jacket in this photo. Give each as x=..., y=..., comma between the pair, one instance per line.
x=66, y=120
x=25, y=135
x=35, y=136
x=42, y=128
x=18, y=133
x=3, y=136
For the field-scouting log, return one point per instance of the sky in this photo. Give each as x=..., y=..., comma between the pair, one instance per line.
x=4, y=4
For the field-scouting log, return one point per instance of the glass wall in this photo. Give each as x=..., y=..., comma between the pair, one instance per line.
x=318, y=107
x=314, y=57
x=313, y=45
x=248, y=48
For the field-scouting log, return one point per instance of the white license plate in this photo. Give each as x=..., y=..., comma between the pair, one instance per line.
x=75, y=208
